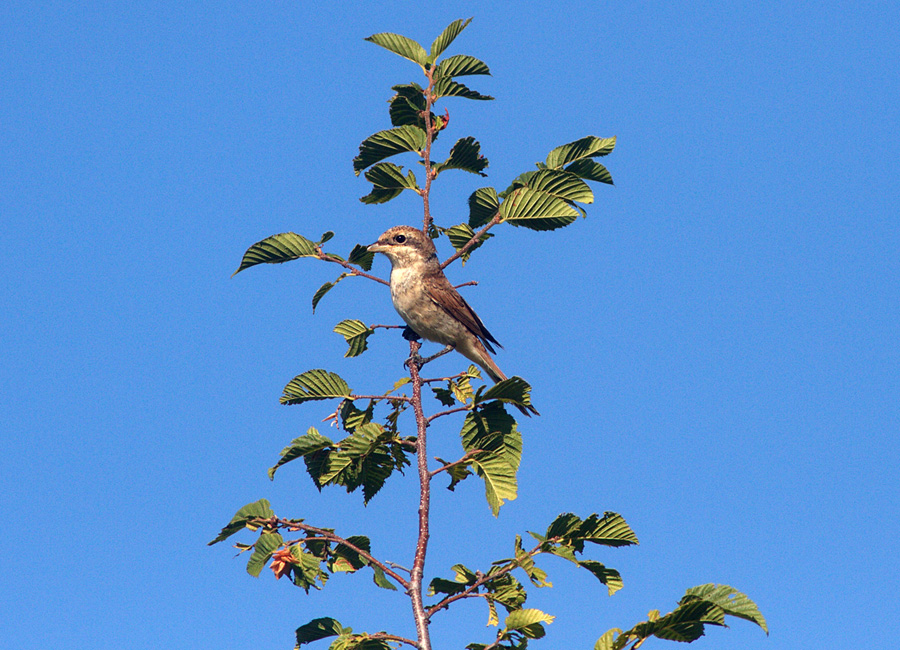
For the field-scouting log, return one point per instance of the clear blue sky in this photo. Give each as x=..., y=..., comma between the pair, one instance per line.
x=714, y=349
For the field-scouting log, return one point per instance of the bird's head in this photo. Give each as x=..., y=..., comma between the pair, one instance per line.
x=405, y=246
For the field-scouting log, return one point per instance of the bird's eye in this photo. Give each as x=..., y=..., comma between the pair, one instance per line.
x=400, y=238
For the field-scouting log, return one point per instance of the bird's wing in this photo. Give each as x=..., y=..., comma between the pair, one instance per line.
x=442, y=293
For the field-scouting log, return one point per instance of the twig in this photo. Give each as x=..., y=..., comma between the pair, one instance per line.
x=448, y=412
x=330, y=536
x=493, y=222
x=325, y=257
x=470, y=283
x=390, y=398
x=393, y=637
x=462, y=460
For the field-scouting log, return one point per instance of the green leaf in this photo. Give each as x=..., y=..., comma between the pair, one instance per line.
x=311, y=442
x=561, y=184
x=276, y=250
x=610, y=577
x=536, y=210
x=499, y=479
x=385, y=144
x=483, y=205
x=362, y=257
x=590, y=170
x=318, y=628
x=732, y=602
x=408, y=105
x=325, y=288
x=314, y=385
x=356, y=334
x=537, y=576
x=491, y=428
x=460, y=235
x=608, y=640
x=381, y=579
x=587, y=147
x=465, y=155
x=460, y=65
x=267, y=544
x=443, y=41
x=388, y=182
x=522, y=618
x=446, y=87
x=405, y=47
x=326, y=236
x=444, y=396
x=514, y=390
x=257, y=510
x=609, y=530
x=443, y=586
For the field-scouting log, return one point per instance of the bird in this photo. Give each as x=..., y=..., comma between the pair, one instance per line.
x=428, y=303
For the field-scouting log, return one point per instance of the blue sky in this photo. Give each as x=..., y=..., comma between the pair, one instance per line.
x=713, y=350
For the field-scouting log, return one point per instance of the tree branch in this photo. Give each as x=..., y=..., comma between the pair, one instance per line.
x=392, y=637
x=448, y=412
x=325, y=257
x=490, y=224
x=462, y=460
x=292, y=524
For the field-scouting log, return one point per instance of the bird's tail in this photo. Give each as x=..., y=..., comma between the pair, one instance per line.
x=477, y=354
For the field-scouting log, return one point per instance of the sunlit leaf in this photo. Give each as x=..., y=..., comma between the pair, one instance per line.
x=514, y=390
x=587, y=147
x=499, y=479
x=381, y=580
x=385, y=144
x=314, y=385
x=732, y=602
x=460, y=235
x=446, y=37
x=277, y=249
x=610, y=577
x=524, y=617
x=405, y=47
x=536, y=210
x=460, y=65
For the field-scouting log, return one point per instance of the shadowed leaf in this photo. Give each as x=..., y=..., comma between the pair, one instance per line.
x=311, y=442
x=590, y=170
x=483, y=205
x=257, y=510
x=446, y=87
x=465, y=155
x=262, y=551
x=460, y=235
x=325, y=288
x=318, y=628
x=587, y=147
x=732, y=602
x=460, y=65
x=385, y=144
x=362, y=257
x=610, y=577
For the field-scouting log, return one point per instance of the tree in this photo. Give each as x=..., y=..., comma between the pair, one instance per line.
x=374, y=448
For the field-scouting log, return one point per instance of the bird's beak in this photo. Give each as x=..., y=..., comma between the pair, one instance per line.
x=376, y=248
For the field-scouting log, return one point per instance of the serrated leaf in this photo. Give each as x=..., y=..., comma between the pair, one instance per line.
x=447, y=87
x=610, y=577
x=262, y=551
x=444, y=586
x=311, y=442
x=277, y=249
x=491, y=428
x=257, y=510
x=522, y=618
x=408, y=105
x=587, y=147
x=609, y=530
x=356, y=334
x=499, y=479
x=465, y=155
x=537, y=576
x=446, y=37
x=590, y=170
x=483, y=205
x=536, y=210
x=325, y=288
x=362, y=257
x=608, y=640
x=444, y=396
x=388, y=182
x=561, y=184
x=460, y=65
x=732, y=602
x=313, y=385
x=405, y=47
x=318, y=628
x=385, y=144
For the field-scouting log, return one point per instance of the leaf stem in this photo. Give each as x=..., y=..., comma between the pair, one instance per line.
x=347, y=265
